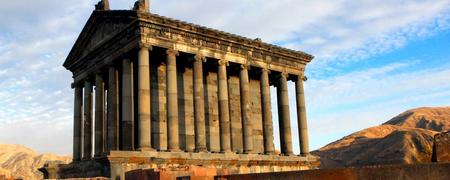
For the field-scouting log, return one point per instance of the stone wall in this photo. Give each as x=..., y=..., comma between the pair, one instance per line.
x=256, y=116
x=235, y=114
x=433, y=171
x=158, y=105
x=186, y=110
x=212, y=112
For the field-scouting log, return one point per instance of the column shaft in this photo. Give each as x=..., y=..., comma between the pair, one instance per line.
x=283, y=114
x=172, y=101
x=144, y=122
x=77, y=124
x=127, y=135
x=113, y=109
x=199, y=105
x=267, y=113
x=245, y=109
x=301, y=116
x=224, y=118
x=87, y=120
x=99, y=115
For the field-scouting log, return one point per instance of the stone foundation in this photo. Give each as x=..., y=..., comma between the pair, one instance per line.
x=172, y=165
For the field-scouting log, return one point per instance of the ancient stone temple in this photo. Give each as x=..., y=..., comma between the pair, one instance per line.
x=157, y=93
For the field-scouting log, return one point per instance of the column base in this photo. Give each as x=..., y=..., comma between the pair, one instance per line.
x=248, y=152
x=174, y=150
x=227, y=152
x=99, y=155
x=304, y=154
x=146, y=149
x=288, y=154
x=86, y=159
x=201, y=150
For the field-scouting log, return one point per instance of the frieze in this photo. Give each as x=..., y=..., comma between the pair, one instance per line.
x=190, y=30
x=217, y=43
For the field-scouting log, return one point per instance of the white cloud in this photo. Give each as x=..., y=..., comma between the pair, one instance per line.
x=35, y=97
x=333, y=30
x=377, y=83
x=349, y=102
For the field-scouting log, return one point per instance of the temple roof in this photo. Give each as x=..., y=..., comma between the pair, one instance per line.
x=104, y=25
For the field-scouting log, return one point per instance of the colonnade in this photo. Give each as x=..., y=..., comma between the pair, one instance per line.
x=121, y=112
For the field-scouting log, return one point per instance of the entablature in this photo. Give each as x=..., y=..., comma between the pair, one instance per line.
x=148, y=29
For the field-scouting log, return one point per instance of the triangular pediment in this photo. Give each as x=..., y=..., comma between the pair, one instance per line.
x=101, y=26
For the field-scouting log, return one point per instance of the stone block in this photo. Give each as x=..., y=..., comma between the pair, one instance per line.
x=256, y=115
x=235, y=114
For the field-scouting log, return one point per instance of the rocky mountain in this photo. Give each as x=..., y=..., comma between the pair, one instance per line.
x=21, y=162
x=405, y=139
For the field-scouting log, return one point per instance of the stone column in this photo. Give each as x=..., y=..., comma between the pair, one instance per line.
x=224, y=118
x=77, y=123
x=99, y=115
x=172, y=101
x=87, y=120
x=245, y=109
x=283, y=115
x=127, y=135
x=199, y=105
x=113, y=109
x=144, y=123
x=266, y=108
x=301, y=116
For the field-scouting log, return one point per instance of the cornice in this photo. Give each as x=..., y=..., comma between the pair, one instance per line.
x=236, y=43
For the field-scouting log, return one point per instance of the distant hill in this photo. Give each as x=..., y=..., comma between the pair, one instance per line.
x=21, y=162
x=405, y=139
x=435, y=119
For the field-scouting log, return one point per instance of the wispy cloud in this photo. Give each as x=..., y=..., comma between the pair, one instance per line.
x=35, y=94
x=353, y=101
x=333, y=30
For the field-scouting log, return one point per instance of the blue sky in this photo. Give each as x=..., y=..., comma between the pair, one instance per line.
x=373, y=59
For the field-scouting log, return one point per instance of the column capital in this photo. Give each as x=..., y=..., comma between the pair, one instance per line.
x=88, y=79
x=284, y=75
x=245, y=66
x=109, y=64
x=302, y=77
x=266, y=70
x=99, y=72
x=200, y=57
x=78, y=84
x=144, y=45
x=223, y=62
x=172, y=52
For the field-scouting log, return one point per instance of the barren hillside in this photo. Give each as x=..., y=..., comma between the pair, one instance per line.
x=406, y=138
x=21, y=162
